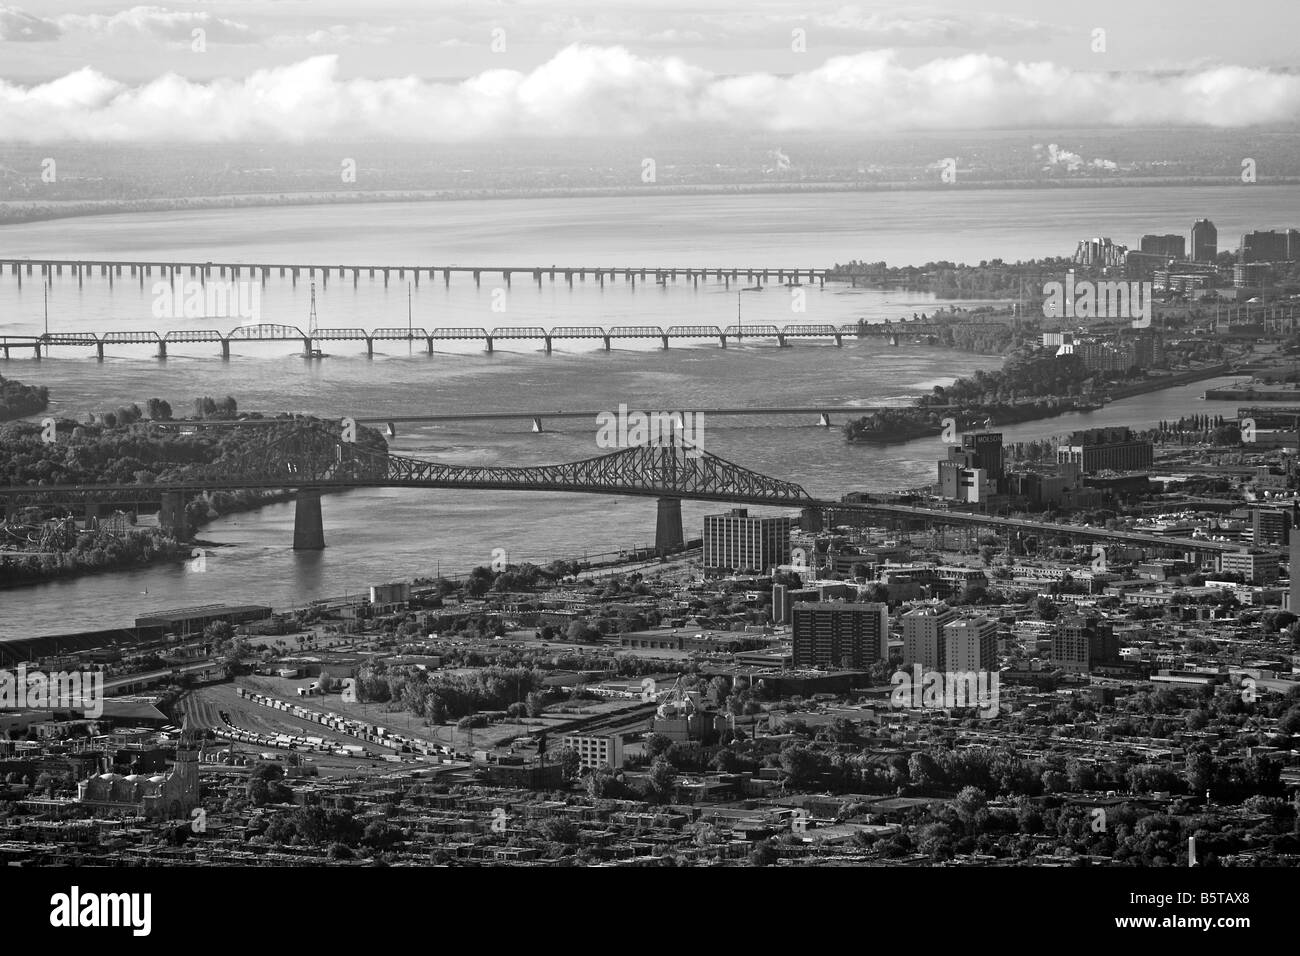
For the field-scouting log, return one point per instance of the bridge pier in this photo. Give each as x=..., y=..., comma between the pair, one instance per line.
x=537, y=274
x=506, y=276
x=478, y=278
x=489, y=344
x=824, y=420
x=780, y=340
x=171, y=515
x=99, y=350
x=446, y=278
x=308, y=529
x=356, y=277
x=537, y=426
x=547, y=339
x=605, y=337
x=370, y=348
x=664, y=338
x=225, y=349
x=668, y=526
x=162, y=349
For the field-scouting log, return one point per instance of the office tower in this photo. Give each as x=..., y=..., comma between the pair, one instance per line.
x=1205, y=241
x=741, y=543
x=923, y=638
x=1270, y=527
x=970, y=644
x=832, y=634
x=1081, y=643
x=1170, y=246
x=780, y=604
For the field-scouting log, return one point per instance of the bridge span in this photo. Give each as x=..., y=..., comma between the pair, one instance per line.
x=893, y=332
x=315, y=460
x=210, y=270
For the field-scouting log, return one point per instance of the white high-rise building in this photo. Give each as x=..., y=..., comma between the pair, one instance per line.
x=923, y=641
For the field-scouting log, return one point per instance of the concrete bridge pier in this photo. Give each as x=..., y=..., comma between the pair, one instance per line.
x=385, y=278
x=308, y=528
x=605, y=337
x=99, y=350
x=537, y=274
x=489, y=345
x=537, y=426
x=446, y=278
x=162, y=349
x=810, y=519
x=506, y=276
x=356, y=277
x=294, y=277
x=225, y=349
x=780, y=340
x=547, y=340
x=839, y=340
x=668, y=526
x=824, y=420
x=171, y=515
x=664, y=338
x=370, y=348
x=478, y=278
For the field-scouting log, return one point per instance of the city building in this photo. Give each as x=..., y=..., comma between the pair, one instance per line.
x=922, y=635
x=1270, y=527
x=1255, y=566
x=1171, y=245
x=970, y=644
x=1099, y=252
x=1251, y=275
x=1205, y=241
x=830, y=634
x=1081, y=643
x=743, y=543
x=780, y=604
x=1270, y=246
x=596, y=751
x=1106, y=449
x=973, y=469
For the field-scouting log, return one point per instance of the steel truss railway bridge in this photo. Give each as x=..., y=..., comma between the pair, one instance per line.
x=783, y=335
x=316, y=460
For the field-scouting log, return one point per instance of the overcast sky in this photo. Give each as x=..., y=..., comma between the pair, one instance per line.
x=289, y=69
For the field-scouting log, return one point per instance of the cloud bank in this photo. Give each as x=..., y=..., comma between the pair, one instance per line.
x=608, y=91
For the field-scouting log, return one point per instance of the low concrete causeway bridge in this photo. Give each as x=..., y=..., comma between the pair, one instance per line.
x=315, y=460
x=894, y=332
x=169, y=269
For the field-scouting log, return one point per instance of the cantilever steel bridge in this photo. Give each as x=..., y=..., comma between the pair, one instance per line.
x=316, y=459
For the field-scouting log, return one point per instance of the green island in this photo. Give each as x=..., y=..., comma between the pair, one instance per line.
x=126, y=446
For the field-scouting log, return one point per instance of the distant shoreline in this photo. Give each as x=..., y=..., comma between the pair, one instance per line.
x=17, y=212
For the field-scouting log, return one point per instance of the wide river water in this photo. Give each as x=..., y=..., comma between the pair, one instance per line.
x=378, y=535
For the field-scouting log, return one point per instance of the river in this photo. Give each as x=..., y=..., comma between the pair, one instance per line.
x=378, y=535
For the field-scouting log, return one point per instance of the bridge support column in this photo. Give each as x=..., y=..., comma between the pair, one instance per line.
x=489, y=344
x=548, y=345
x=171, y=515
x=162, y=349
x=537, y=426
x=824, y=420
x=308, y=529
x=225, y=349
x=478, y=278
x=99, y=351
x=810, y=519
x=370, y=348
x=668, y=526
